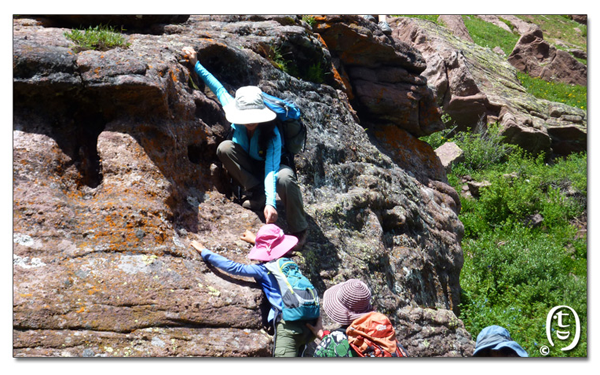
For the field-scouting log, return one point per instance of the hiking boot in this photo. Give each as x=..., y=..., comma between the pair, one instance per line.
x=301, y=236
x=255, y=199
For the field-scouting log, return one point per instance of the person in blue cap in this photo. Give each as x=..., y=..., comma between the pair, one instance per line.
x=495, y=341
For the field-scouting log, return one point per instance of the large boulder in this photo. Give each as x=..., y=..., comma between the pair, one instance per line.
x=520, y=26
x=384, y=73
x=115, y=173
x=580, y=18
x=456, y=25
x=536, y=57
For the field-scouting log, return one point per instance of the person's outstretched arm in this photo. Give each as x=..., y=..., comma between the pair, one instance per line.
x=227, y=265
x=210, y=80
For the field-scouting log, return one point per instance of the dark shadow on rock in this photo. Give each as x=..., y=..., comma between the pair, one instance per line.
x=73, y=125
x=75, y=119
x=320, y=256
x=122, y=23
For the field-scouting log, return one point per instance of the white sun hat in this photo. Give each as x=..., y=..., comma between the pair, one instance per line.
x=248, y=107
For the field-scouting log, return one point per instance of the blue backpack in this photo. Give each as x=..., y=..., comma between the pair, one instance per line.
x=300, y=298
x=290, y=125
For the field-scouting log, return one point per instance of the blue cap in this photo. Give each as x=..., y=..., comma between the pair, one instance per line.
x=496, y=338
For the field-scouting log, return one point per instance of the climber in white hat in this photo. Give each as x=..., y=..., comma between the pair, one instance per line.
x=253, y=155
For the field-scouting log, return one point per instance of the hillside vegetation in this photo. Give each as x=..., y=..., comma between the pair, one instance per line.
x=525, y=242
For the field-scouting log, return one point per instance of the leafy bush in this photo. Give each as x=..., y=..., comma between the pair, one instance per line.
x=99, y=37
x=514, y=274
x=315, y=73
x=483, y=147
x=437, y=139
x=277, y=59
x=310, y=20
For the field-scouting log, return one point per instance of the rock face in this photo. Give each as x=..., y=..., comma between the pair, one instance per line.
x=581, y=18
x=474, y=84
x=115, y=173
x=536, y=57
x=385, y=75
x=521, y=26
x=456, y=25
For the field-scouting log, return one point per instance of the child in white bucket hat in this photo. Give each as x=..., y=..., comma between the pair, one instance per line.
x=253, y=155
x=270, y=244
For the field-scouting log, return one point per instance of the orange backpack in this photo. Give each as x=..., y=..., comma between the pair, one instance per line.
x=372, y=335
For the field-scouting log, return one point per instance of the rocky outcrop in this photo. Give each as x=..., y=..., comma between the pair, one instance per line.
x=473, y=84
x=456, y=25
x=580, y=18
x=494, y=20
x=520, y=25
x=536, y=57
x=384, y=73
x=508, y=22
x=115, y=173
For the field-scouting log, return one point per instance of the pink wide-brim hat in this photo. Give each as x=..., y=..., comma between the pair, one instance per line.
x=271, y=243
x=347, y=301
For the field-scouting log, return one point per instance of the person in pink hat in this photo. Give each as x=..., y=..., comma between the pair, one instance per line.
x=270, y=244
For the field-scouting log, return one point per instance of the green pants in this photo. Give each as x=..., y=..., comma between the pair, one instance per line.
x=290, y=338
x=250, y=173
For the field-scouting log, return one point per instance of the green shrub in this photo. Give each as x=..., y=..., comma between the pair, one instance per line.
x=437, y=139
x=99, y=37
x=522, y=186
x=277, y=59
x=315, y=73
x=483, y=147
x=310, y=20
x=514, y=274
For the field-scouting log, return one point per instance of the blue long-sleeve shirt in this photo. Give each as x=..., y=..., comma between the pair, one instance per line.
x=259, y=272
x=240, y=136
